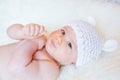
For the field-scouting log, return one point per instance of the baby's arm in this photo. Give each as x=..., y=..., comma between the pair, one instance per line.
x=22, y=56
x=30, y=31
x=24, y=65
x=20, y=32
x=15, y=31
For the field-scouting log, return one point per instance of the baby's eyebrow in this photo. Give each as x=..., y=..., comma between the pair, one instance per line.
x=65, y=29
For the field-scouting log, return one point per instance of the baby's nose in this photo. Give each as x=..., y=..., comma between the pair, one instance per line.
x=60, y=39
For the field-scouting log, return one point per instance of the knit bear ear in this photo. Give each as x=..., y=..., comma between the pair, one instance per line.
x=110, y=45
x=91, y=20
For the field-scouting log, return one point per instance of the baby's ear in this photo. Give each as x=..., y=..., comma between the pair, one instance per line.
x=91, y=20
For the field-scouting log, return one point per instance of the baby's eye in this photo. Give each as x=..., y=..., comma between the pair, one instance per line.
x=69, y=44
x=62, y=32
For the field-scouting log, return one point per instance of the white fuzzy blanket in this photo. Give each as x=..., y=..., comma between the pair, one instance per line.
x=54, y=13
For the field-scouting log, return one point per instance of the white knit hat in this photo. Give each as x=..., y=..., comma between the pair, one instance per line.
x=89, y=43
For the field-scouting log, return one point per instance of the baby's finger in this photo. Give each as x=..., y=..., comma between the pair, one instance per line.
x=42, y=30
x=32, y=30
x=26, y=30
x=37, y=29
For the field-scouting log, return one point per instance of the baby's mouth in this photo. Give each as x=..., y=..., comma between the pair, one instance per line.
x=53, y=43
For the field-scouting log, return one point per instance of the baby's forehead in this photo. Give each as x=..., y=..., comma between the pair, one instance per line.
x=68, y=28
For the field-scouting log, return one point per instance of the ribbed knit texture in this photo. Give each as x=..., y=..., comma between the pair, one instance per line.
x=89, y=44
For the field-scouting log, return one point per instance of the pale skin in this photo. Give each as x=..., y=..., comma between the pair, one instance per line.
x=37, y=57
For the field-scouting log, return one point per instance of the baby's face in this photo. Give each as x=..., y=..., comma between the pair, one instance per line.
x=61, y=45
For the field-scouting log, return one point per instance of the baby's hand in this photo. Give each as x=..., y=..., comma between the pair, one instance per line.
x=41, y=41
x=34, y=30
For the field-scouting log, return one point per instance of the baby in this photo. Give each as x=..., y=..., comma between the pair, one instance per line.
x=39, y=57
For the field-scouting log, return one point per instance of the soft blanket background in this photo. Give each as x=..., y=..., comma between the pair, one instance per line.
x=54, y=13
